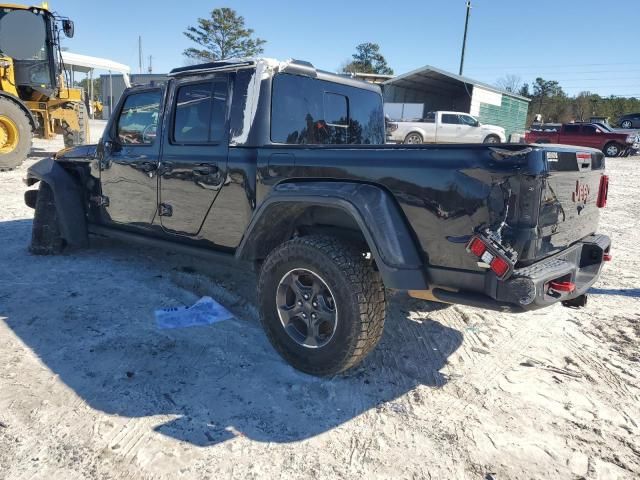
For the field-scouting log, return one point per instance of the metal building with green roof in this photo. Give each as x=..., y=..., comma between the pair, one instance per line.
x=437, y=89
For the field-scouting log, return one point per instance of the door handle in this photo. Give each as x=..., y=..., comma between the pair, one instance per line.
x=204, y=170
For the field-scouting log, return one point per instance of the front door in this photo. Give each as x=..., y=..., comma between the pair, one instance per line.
x=129, y=155
x=194, y=157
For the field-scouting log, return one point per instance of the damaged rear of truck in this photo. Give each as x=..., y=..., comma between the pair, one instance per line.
x=284, y=166
x=534, y=215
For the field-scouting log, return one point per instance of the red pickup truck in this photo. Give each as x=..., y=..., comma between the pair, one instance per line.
x=612, y=143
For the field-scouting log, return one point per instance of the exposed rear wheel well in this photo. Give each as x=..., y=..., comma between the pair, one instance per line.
x=286, y=221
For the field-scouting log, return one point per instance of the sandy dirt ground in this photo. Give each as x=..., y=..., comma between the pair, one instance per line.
x=90, y=388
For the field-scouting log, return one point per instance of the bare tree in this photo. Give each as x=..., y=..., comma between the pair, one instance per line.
x=510, y=83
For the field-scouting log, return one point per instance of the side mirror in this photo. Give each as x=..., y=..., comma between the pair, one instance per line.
x=68, y=28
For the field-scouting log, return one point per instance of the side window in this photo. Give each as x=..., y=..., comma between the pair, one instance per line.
x=468, y=120
x=138, y=120
x=192, y=113
x=572, y=129
x=304, y=112
x=450, y=118
x=200, y=113
x=589, y=130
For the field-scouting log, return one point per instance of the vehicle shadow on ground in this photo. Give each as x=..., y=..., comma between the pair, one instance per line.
x=624, y=292
x=89, y=317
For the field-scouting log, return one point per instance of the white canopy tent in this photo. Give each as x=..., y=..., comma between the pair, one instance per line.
x=87, y=64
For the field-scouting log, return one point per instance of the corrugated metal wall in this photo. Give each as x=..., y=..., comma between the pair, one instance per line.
x=511, y=114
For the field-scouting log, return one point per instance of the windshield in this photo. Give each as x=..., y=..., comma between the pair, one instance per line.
x=23, y=34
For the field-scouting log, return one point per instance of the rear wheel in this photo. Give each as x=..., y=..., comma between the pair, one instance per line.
x=413, y=138
x=322, y=304
x=492, y=139
x=612, y=149
x=81, y=137
x=626, y=124
x=15, y=135
x=45, y=236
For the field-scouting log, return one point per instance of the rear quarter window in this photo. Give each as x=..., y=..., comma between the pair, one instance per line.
x=308, y=111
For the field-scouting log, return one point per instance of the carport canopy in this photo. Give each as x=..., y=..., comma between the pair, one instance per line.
x=86, y=64
x=437, y=89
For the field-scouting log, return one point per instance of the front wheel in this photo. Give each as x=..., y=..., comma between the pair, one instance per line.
x=45, y=236
x=492, y=139
x=322, y=304
x=626, y=124
x=612, y=149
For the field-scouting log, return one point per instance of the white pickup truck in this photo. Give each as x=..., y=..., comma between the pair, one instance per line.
x=444, y=127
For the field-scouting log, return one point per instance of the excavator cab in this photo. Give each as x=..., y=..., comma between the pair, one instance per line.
x=35, y=98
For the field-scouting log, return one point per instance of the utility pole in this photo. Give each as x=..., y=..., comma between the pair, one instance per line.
x=150, y=66
x=140, y=54
x=464, y=39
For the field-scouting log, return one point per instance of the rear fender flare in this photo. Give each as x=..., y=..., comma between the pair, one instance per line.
x=373, y=209
x=68, y=198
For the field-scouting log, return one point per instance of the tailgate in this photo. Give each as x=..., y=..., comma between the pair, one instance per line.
x=569, y=210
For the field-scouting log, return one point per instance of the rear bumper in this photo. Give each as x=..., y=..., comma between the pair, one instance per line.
x=528, y=287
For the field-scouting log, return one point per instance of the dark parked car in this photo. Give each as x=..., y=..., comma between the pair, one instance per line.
x=630, y=120
x=284, y=166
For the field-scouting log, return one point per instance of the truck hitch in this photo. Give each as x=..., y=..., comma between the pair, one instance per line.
x=577, y=302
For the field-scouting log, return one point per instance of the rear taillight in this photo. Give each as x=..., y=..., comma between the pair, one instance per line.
x=477, y=247
x=603, y=191
x=499, y=266
x=490, y=255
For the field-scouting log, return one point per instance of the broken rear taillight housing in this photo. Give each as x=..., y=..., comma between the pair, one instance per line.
x=490, y=253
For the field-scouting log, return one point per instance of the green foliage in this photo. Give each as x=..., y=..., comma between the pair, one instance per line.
x=222, y=36
x=368, y=59
x=549, y=100
x=97, y=86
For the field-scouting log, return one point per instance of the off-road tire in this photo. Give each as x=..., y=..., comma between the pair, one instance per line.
x=45, y=236
x=14, y=159
x=492, y=139
x=72, y=138
x=359, y=297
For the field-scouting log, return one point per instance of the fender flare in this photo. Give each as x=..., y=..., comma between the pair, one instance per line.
x=68, y=198
x=23, y=107
x=374, y=210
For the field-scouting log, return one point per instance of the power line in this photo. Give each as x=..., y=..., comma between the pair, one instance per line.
x=484, y=67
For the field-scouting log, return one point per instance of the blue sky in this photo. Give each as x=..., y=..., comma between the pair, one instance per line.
x=585, y=44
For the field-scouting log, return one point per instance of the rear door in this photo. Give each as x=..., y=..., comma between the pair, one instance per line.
x=194, y=157
x=448, y=128
x=570, y=135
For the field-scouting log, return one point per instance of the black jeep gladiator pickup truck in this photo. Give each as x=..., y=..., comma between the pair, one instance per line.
x=285, y=166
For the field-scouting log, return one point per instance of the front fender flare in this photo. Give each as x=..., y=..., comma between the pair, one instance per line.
x=374, y=210
x=68, y=198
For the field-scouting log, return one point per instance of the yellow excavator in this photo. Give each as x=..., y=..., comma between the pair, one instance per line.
x=35, y=96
